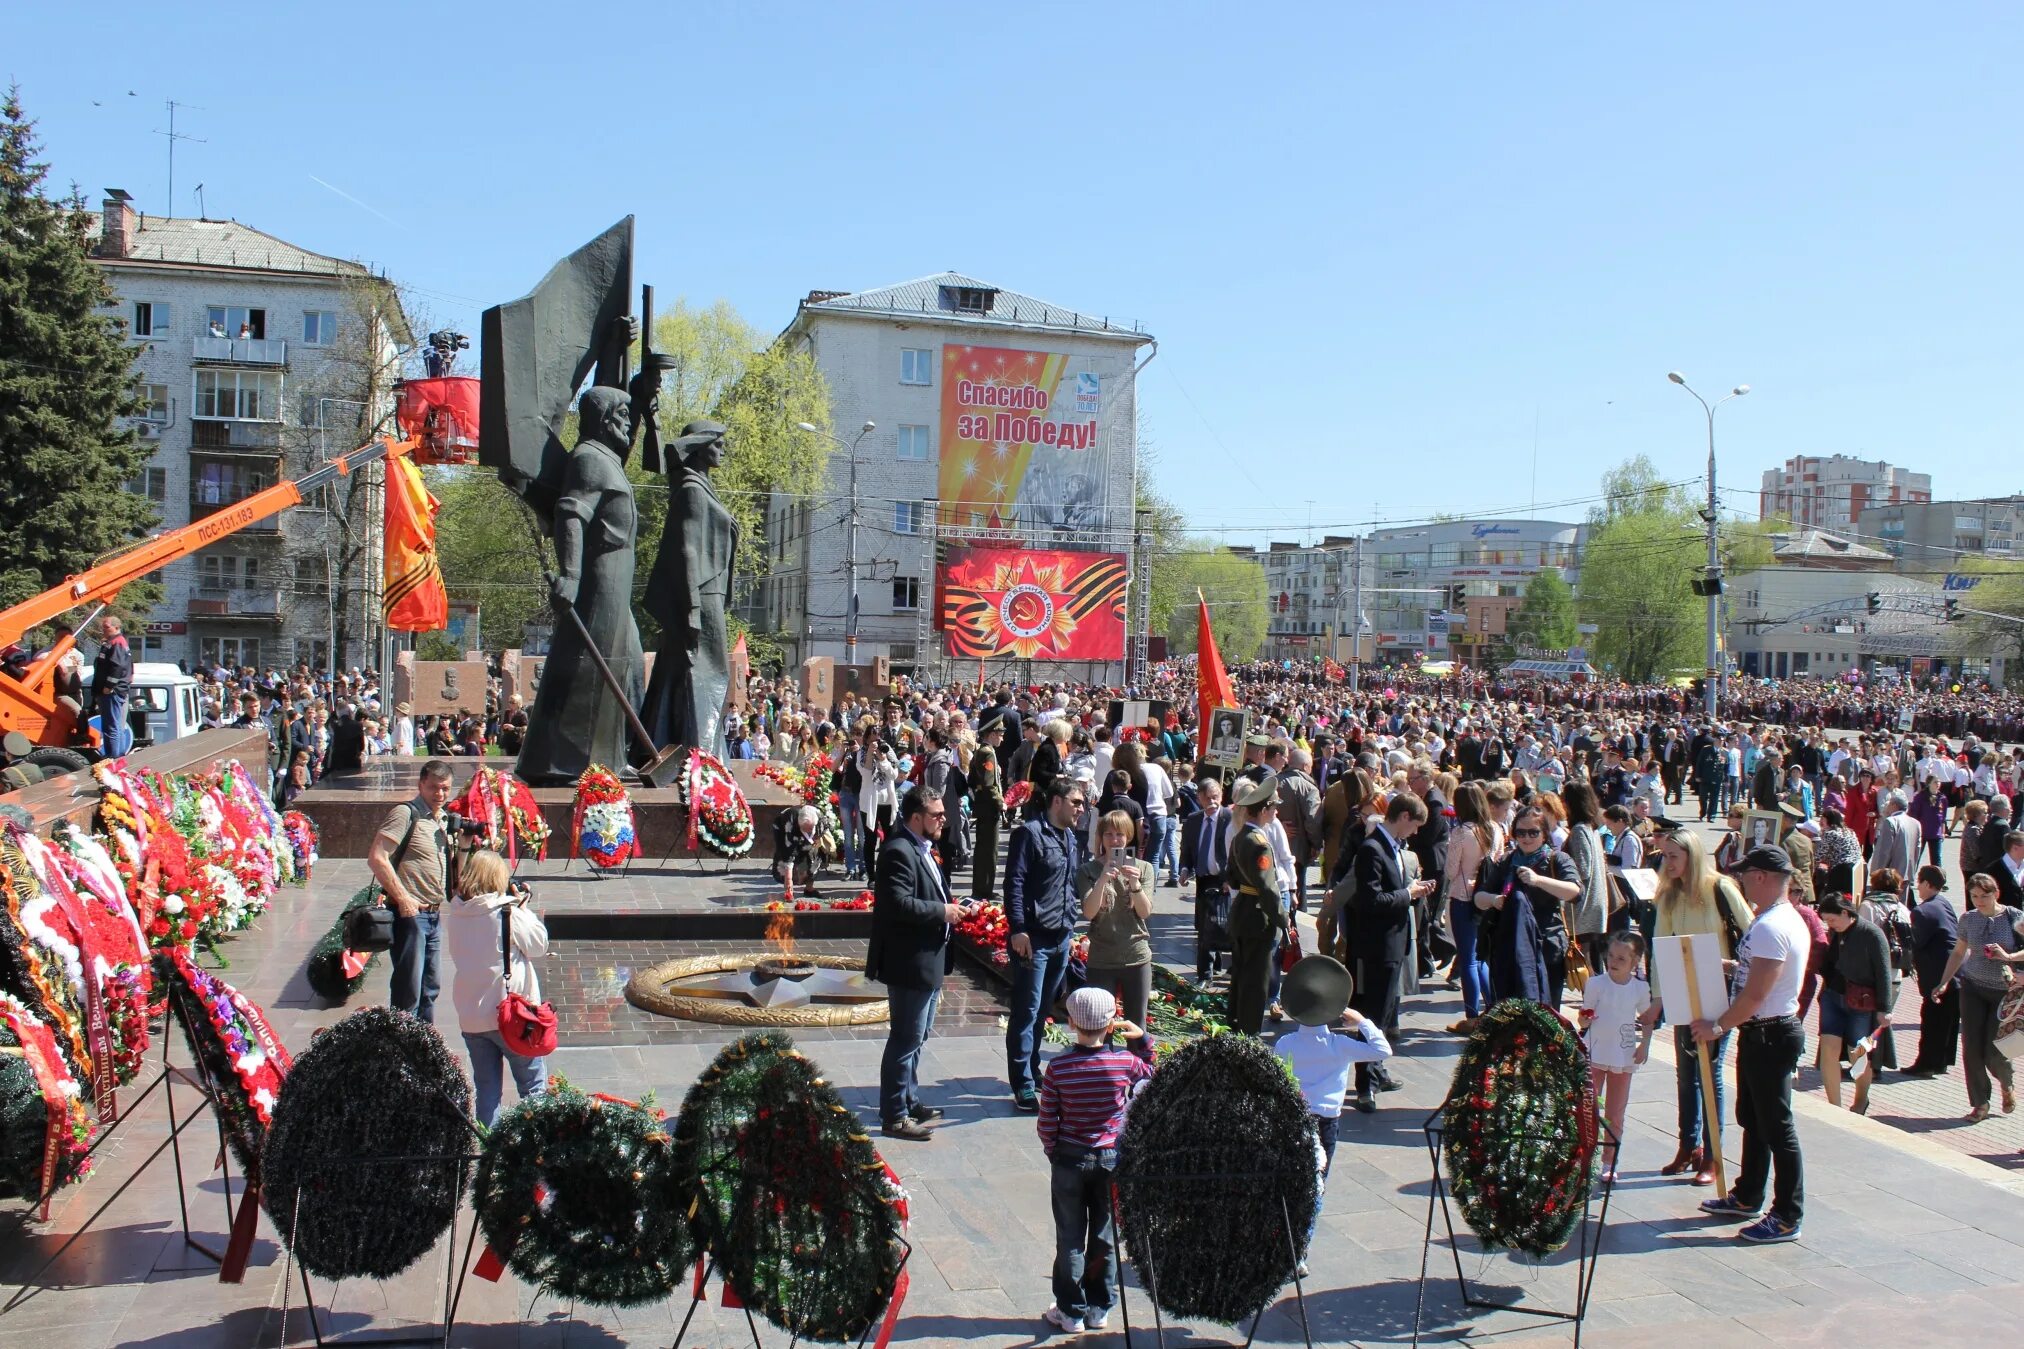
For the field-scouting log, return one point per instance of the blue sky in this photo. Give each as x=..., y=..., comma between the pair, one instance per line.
x=1379, y=244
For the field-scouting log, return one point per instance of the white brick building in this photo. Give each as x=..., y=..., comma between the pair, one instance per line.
x=899, y=357
x=1832, y=491
x=254, y=354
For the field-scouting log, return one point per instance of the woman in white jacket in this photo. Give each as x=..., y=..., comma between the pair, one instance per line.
x=879, y=797
x=475, y=929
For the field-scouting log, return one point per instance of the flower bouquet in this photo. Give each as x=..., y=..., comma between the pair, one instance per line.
x=300, y=831
x=1018, y=795
x=719, y=815
x=603, y=820
x=46, y=1127
x=985, y=929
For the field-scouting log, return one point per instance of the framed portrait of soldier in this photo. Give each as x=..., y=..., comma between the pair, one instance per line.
x=1223, y=746
x=1762, y=828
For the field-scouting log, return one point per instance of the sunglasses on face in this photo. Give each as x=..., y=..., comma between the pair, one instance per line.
x=1528, y=833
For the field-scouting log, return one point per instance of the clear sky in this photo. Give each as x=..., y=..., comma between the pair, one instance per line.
x=1386, y=249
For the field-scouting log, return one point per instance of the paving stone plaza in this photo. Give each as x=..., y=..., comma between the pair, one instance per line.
x=1912, y=1218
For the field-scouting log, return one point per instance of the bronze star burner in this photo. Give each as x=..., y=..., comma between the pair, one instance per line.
x=760, y=989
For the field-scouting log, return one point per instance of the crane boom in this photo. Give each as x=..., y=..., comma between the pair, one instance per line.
x=29, y=704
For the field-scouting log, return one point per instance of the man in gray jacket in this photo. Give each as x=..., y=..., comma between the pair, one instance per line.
x=1898, y=840
x=1300, y=810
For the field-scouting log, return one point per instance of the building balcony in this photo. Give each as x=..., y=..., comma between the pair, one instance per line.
x=250, y=603
x=262, y=438
x=239, y=351
x=206, y=501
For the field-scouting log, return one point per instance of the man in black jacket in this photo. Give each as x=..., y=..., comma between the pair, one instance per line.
x=112, y=672
x=1205, y=855
x=1380, y=927
x=1430, y=845
x=910, y=954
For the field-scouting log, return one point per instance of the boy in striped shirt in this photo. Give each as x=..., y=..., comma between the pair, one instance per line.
x=1083, y=1095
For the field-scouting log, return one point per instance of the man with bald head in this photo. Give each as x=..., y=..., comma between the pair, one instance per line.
x=1299, y=811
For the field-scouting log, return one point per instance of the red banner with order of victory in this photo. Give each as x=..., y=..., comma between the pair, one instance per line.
x=1033, y=605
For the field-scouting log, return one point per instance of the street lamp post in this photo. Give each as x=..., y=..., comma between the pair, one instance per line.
x=1712, y=586
x=850, y=534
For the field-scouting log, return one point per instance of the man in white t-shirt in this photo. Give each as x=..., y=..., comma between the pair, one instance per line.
x=1770, y=965
x=1161, y=826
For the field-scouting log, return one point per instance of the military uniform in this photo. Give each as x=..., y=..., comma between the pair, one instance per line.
x=1257, y=918
x=987, y=806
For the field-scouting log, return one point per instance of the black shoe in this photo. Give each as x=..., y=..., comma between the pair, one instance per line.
x=924, y=1114
x=1385, y=1081
x=1027, y=1102
x=907, y=1129
x=1366, y=1102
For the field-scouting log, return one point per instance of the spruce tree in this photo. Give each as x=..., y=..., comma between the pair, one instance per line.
x=66, y=380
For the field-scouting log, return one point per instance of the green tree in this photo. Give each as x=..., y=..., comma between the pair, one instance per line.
x=1999, y=591
x=1546, y=617
x=1235, y=589
x=1645, y=546
x=486, y=539
x=66, y=382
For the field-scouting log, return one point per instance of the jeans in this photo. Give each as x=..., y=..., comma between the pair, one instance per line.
x=1036, y=984
x=1161, y=847
x=910, y=1015
x=1698, y=1124
x=1085, y=1282
x=846, y=814
x=112, y=725
x=1325, y=1131
x=489, y=1060
x=418, y=945
x=1766, y=1059
x=1470, y=967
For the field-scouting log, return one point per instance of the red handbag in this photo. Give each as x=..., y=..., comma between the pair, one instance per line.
x=528, y=1028
x=1289, y=954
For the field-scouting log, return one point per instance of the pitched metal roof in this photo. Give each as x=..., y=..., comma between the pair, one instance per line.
x=935, y=297
x=226, y=243
x=1810, y=544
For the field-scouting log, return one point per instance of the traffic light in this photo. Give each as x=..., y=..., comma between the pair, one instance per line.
x=1875, y=601
x=1953, y=611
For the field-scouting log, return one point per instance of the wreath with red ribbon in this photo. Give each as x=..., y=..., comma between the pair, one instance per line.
x=506, y=807
x=47, y=1128
x=719, y=815
x=1520, y=1130
x=601, y=826
x=241, y=1054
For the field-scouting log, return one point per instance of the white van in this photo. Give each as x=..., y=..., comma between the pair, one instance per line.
x=163, y=704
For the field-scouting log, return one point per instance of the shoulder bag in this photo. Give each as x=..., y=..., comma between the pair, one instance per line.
x=370, y=927
x=528, y=1028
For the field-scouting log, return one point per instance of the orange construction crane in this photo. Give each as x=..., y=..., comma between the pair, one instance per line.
x=28, y=701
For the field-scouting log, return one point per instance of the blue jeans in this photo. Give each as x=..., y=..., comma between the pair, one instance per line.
x=1085, y=1280
x=846, y=813
x=910, y=1013
x=490, y=1058
x=112, y=725
x=1697, y=1126
x=1470, y=967
x=418, y=946
x=1036, y=984
x=1160, y=847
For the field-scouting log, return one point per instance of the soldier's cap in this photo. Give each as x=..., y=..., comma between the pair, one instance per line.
x=1257, y=740
x=700, y=433
x=1252, y=793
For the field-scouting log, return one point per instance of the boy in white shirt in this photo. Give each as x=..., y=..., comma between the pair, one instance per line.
x=1323, y=1051
x=1613, y=1005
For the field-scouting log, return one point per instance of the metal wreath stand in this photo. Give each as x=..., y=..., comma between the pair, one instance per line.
x=1152, y=1264
x=1588, y=1251
x=232, y=1260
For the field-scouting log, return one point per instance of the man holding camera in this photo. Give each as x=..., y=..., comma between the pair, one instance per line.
x=411, y=857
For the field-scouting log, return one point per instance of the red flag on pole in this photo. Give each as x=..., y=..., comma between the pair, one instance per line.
x=1211, y=679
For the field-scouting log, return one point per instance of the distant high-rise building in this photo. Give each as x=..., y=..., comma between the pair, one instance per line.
x=1832, y=491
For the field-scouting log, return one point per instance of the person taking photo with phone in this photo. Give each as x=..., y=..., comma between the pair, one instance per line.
x=1116, y=891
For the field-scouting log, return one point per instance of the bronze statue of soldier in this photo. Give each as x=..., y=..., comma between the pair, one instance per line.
x=687, y=594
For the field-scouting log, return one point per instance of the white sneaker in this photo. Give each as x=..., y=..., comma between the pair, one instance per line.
x=1098, y=1321
x=1068, y=1325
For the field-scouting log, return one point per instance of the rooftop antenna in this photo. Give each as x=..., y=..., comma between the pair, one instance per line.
x=175, y=136
x=201, y=213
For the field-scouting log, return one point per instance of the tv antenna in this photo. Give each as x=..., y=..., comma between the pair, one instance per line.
x=175, y=136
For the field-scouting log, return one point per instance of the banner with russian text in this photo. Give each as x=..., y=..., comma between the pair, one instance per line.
x=1031, y=604
x=1019, y=439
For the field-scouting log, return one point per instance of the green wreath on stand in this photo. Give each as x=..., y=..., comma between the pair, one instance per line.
x=1520, y=1132
x=801, y=1213
x=578, y=1195
x=326, y=959
x=370, y=1131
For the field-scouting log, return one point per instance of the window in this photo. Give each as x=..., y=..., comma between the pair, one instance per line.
x=150, y=319
x=148, y=647
x=231, y=320
x=915, y=366
x=910, y=517
x=156, y=396
x=234, y=651
x=228, y=571
x=152, y=483
x=238, y=395
x=971, y=299
x=311, y=572
x=906, y=594
x=914, y=444
x=319, y=328
x=221, y=484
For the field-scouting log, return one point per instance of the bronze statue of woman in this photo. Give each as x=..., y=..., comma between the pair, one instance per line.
x=687, y=593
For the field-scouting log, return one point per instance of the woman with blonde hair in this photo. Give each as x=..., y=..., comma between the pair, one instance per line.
x=1116, y=892
x=489, y=916
x=1695, y=898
